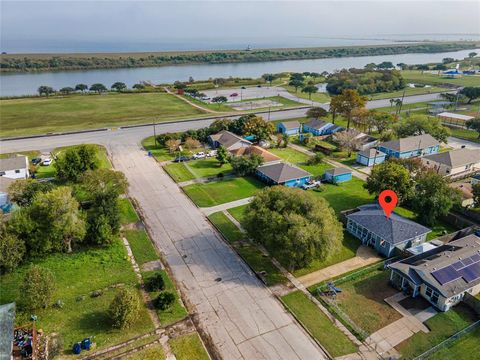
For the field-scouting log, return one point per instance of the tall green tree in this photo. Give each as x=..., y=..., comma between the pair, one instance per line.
x=98, y=88
x=258, y=127
x=81, y=87
x=124, y=309
x=222, y=155
x=269, y=78
x=12, y=251
x=73, y=162
x=245, y=165
x=296, y=84
x=346, y=102
x=422, y=124
x=474, y=124
x=295, y=226
x=310, y=89
x=316, y=112
x=118, y=86
x=37, y=288
x=45, y=90
x=23, y=191
x=471, y=92
x=476, y=195
x=67, y=90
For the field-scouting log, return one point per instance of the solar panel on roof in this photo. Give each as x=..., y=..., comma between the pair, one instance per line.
x=475, y=258
x=471, y=273
x=458, y=265
x=446, y=275
x=467, y=261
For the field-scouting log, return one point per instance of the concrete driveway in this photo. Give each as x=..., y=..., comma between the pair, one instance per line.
x=457, y=143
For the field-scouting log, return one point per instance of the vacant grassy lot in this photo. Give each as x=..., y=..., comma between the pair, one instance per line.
x=76, y=276
x=159, y=152
x=128, y=214
x=43, y=115
x=179, y=172
x=141, y=246
x=461, y=349
x=176, y=312
x=300, y=159
x=197, y=169
x=415, y=76
x=222, y=191
x=442, y=326
x=226, y=227
x=188, y=347
x=321, y=97
x=322, y=329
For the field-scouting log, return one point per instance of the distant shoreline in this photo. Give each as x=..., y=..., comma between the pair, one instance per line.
x=25, y=63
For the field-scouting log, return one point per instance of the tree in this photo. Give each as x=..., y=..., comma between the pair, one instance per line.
x=310, y=89
x=172, y=145
x=191, y=144
x=382, y=121
x=297, y=76
x=390, y=175
x=67, y=90
x=45, y=90
x=124, y=309
x=316, y=112
x=448, y=60
x=245, y=165
x=138, y=86
x=433, y=197
x=295, y=226
x=361, y=118
x=474, y=124
x=286, y=140
x=98, y=88
x=346, y=102
x=472, y=54
x=118, y=86
x=23, y=191
x=81, y=87
x=12, y=251
x=219, y=100
x=269, y=78
x=315, y=159
x=179, y=85
x=155, y=283
x=219, y=125
x=386, y=65
x=258, y=127
x=422, y=124
x=74, y=161
x=164, y=300
x=347, y=140
x=295, y=83
x=37, y=288
x=471, y=92
x=222, y=155
x=476, y=195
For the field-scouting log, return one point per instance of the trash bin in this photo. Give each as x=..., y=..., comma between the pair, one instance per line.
x=86, y=344
x=150, y=153
x=77, y=348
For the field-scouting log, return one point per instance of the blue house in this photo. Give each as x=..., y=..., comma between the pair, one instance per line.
x=289, y=127
x=319, y=127
x=371, y=157
x=369, y=224
x=338, y=175
x=283, y=174
x=419, y=145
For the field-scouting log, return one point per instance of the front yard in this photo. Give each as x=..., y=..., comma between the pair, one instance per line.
x=197, y=169
x=188, y=347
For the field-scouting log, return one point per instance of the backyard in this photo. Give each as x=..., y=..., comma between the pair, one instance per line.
x=462, y=349
x=300, y=159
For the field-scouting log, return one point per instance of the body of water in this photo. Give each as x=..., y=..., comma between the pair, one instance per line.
x=28, y=83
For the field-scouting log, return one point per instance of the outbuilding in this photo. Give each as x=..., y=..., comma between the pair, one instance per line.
x=319, y=127
x=289, y=127
x=371, y=157
x=338, y=175
x=283, y=174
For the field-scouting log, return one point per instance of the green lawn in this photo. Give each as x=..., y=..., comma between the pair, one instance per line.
x=54, y=114
x=179, y=172
x=154, y=352
x=31, y=154
x=442, y=326
x=300, y=159
x=465, y=134
x=76, y=275
x=159, y=152
x=462, y=349
x=238, y=212
x=321, y=97
x=408, y=92
x=318, y=324
x=128, y=214
x=176, y=312
x=141, y=245
x=42, y=172
x=416, y=76
x=222, y=191
x=228, y=229
x=208, y=167
x=188, y=347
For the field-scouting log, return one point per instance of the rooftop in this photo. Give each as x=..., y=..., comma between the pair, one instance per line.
x=393, y=230
x=266, y=155
x=291, y=124
x=227, y=138
x=455, y=116
x=455, y=158
x=14, y=163
x=411, y=143
x=316, y=123
x=281, y=172
x=338, y=171
x=370, y=153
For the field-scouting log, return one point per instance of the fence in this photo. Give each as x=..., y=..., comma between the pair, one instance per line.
x=444, y=344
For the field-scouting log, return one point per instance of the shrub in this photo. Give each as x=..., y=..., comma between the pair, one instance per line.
x=164, y=300
x=155, y=283
x=12, y=251
x=124, y=309
x=37, y=288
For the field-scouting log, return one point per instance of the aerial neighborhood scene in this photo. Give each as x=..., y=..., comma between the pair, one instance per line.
x=245, y=180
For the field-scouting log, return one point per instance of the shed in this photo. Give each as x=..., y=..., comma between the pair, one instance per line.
x=371, y=157
x=338, y=175
x=289, y=127
x=449, y=118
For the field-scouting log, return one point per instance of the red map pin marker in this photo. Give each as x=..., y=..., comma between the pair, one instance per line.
x=388, y=200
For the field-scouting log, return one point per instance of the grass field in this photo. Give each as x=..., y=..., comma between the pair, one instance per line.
x=442, y=326
x=300, y=159
x=141, y=245
x=465, y=134
x=188, y=347
x=228, y=229
x=408, y=92
x=196, y=169
x=76, y=276
x=159, y=152
x=222, y=191
x=43, y=115
x=238, y=212
x=462, y=349
x=128, y=214
x=154, y=352
x=317, y=323
x=415, y=76
x=321, y=97
x=178, y=172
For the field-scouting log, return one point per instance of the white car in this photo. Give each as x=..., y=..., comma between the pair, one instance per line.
x=199, y=155
x=311, y=184
x=212, y=153
x=47, y=162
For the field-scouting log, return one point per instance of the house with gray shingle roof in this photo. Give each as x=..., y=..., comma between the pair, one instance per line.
x=412, y=146
x=229, y=140
x=318, y=127
x=338, y=175
x=443, y=275
x=370, y=224
x=289, y=127
x=283, y=174
x=15, y=167
x=454, y=163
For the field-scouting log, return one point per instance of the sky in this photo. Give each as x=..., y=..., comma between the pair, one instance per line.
x=64, y=26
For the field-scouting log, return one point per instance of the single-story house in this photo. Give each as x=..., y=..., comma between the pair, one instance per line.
x=15, y=167
x=338, y=175
x=363, y=141
x=289, y=127
x=454, y=163
x=454, y=119
x=371, y=157
x=419, y=145
x=283, y=174
x=369, y=224
x=267, y=156
x=229, y=140
x=319, y=127
x=4, y=184
x=443, y=275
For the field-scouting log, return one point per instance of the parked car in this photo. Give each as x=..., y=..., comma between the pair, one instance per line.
x=205, y=98
x=212, y=153
x=311, y=184
x=234, y=95
x=243, y=87
x=47, y=162
x=36, y=161
x=181, y=159
x=199, y=155
x=259, y=86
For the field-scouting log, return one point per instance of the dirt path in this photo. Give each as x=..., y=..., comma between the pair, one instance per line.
x=167, y=90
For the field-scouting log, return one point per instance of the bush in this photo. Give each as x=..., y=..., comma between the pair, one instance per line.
x=12, y=251
x=124, y=309
x=155, y=283
x=315, y=159
x=164, y=300
x=37, y=288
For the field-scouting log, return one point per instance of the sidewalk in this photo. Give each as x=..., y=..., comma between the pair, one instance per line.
x=210, y=210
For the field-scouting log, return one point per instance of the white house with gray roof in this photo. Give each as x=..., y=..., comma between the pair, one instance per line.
x=412, y=146
x=15, y=167
x=454, y=163
x=443, y=275
x=369, y=224
x=229, y=140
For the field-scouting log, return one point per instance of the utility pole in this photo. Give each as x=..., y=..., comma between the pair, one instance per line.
x=403, y=97
x=269, y=107
x=154, y=132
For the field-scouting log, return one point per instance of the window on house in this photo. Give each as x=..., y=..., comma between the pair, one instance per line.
x=17, y=171
x=428, y=292
x=2, y=173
